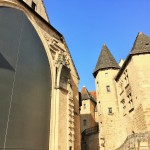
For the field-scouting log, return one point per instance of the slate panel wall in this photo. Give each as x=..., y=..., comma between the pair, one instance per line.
x=25, y=84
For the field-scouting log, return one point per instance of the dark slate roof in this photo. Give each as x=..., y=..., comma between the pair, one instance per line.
x=141, y=44
x=85, y=95
x=105, y=61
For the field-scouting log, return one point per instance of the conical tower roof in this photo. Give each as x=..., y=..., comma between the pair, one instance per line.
x=105, y=61
x=85, y=94
x=141, y=44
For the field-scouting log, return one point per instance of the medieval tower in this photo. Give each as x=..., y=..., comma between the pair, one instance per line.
x=104, y=73
x=122, y=108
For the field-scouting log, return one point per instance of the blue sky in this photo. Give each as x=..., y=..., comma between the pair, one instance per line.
x=87, y=24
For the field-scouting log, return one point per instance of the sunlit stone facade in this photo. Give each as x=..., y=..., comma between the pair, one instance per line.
x=123, y=104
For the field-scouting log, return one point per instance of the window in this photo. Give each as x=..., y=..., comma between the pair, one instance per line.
x=126, y=77
x=70, y=148
x=106, y=74
x=110, y=110
x=84, y=106
x=33, y=5
x=129, y=97
x=124, y=107
x=131, y=108
x=84, y=122
x=97, y=83
x=108, y=88
x=131, y=104
x=123, y=101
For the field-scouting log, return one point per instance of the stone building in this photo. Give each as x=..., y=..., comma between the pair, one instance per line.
x=89, y=124
x=87, y=110
x=122, y=96
x=39, y=107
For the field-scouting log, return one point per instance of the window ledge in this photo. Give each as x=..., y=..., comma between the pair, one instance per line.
x=111, y=114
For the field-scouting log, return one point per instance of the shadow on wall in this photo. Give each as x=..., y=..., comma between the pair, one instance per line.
x=87, y=121
x=90, y=142
x=90, y=137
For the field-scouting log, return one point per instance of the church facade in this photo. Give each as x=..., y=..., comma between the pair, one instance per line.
x=39, y=105
x=122, y=108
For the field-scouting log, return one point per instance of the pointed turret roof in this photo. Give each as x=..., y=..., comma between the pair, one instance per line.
x=105, y=61
x=85, y=95
x=141, y=44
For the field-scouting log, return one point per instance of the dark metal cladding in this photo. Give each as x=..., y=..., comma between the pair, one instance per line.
x=25, y=84
x=4, y=64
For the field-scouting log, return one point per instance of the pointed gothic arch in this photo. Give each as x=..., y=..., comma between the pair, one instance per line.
x=26, y=90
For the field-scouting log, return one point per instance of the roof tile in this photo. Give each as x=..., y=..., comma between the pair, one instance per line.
x=85, y=95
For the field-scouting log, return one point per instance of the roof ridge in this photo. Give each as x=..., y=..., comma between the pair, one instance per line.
x=87, y=92
x=85, y=95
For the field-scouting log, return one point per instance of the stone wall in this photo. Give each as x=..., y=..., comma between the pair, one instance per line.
x=112, y=133
x=87, y=115
x=141, y=64
x=92, y=142
x=135, y=108
x=133, y=94
x=40, y=8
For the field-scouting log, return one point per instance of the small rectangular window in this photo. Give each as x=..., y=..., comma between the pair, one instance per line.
x=33, y=5
x=84, y=106
x=124, y=107
x=126, y=77
x=130, y=102
x=123, y=101
x=97, y=83
x=108, y=88
x=106, y=74
x=84, y=122
x=70, y=148
x=110, y=110
x=129, y=97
